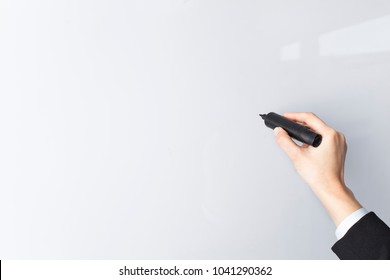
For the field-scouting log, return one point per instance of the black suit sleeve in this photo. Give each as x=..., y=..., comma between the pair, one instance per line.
x=368, y=239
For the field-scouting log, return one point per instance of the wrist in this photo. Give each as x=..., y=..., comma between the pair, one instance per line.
x=338, y=200
x=330, y=188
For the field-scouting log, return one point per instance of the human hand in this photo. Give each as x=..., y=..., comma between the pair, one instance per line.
x=317, y=166
x=322, y=167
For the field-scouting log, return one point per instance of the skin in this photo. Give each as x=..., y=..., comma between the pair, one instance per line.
x=323, y=167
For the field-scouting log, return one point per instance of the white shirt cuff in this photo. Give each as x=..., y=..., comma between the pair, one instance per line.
x=349, y=221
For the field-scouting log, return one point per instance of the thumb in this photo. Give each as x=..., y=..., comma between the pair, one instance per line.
x=286, y=143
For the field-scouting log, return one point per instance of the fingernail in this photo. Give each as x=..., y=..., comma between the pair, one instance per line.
x=276, y=130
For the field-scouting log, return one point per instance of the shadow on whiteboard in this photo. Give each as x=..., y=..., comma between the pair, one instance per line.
x=239, y=161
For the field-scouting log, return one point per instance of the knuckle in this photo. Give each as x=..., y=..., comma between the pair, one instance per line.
x=309, y=115
x=294, y=154
x=277, y=137
x=332, y=133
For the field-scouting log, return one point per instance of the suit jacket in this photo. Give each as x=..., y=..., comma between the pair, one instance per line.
x=368, y=239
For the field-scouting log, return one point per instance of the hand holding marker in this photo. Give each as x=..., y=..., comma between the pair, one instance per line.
x=361, y=235
x=322, y=167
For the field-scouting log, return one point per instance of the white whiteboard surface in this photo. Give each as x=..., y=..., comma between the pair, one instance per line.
x=130, y=129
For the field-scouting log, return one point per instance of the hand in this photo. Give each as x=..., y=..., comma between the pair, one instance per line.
x=322, y=167
x=317, y=166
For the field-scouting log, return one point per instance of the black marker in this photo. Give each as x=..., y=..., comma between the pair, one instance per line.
x=295, y=130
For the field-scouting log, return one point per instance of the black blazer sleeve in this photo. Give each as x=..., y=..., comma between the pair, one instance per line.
x=368, y=239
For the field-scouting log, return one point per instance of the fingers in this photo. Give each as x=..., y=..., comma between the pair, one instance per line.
x=286, y=143
x=304, y=145
x=309, y=119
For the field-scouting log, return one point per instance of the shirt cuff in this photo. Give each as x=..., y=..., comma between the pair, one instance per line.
x=349, y=221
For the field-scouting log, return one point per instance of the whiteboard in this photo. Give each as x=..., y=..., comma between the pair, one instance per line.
x=130, y=129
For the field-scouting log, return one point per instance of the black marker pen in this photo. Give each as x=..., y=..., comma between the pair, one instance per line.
x=295, y=130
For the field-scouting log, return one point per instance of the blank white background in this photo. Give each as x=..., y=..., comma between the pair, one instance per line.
x=130, y=129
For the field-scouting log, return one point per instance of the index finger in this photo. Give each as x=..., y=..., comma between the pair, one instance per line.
x=309, y=119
